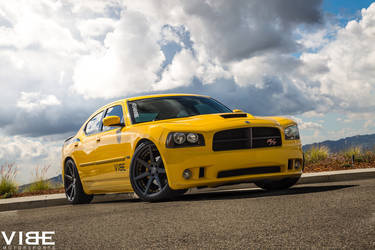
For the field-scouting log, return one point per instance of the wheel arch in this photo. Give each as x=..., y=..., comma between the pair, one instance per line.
x=69, y=157
x=63, y=168
x=161, y=152
x=141, y=141
x=146, y=139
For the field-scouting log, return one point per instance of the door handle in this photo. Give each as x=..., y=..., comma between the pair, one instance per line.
x=98, y=139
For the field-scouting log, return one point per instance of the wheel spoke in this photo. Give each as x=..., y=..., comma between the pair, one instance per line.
x=159, y=162
x=70, y=186
x=141, y=176
x=145, y=164
x=158, y=181
x=161, y=170
x=71, y=170
x=148, y=185
x=152, y=158
x=71, y=193
x=69, y=177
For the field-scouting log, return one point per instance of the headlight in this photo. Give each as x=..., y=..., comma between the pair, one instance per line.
x=180, y=139
x=192, y=137
x=291, y=133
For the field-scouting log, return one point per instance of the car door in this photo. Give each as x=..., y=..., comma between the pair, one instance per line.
x=87, y=152
x=113, y=151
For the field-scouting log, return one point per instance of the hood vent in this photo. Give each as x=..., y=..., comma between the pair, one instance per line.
x=233, y=115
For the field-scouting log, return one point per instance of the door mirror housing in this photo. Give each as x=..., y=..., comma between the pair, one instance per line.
x=237, y=111
x=112, y=121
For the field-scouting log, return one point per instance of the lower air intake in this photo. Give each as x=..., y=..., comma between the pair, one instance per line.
x=248, y=171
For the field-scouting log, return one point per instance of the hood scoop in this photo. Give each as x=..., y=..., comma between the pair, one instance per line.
x=233, y=115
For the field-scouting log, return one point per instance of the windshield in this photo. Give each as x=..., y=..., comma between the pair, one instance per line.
x=161, y=108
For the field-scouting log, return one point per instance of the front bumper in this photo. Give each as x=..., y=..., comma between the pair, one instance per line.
x=176, y=160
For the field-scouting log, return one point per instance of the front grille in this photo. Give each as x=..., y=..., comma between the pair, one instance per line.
x=246, y=138
x=248, y=171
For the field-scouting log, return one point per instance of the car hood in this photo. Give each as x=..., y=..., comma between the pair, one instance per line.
x=212, y=122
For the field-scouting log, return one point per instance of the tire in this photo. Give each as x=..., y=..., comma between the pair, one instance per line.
x=148, y=176
x=277, y=184
x=73, y=186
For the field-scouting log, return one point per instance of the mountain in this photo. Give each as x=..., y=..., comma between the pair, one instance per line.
x=54, y=181
x=366, y=142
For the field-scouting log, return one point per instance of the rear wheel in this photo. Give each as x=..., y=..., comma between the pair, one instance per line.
x=148, y=176
x=73, y=186
x=277, y=184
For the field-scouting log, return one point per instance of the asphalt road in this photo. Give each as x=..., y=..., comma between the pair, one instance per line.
x=328, y=215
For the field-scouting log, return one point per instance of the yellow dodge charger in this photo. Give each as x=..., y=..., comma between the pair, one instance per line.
x=160, y=146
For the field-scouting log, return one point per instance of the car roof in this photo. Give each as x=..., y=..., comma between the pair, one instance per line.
x=136, y=98
x=160, y=95
x=143, y=97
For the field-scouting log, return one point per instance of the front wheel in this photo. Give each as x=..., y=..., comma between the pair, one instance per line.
x=73, y=186
x=148, y=176
x=277, y=184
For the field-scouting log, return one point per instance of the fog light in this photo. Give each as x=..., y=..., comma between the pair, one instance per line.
x=297, y=164
x=187, y=174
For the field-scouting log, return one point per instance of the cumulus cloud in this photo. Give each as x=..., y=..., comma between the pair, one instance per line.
x=240, y=51
x=221, y=33
x=179, y=73
x=128, y=62
x=344, y=68
x=96, y=28
x=29, y=153
x=40, y=43
x=303, y=125
x=34, y=100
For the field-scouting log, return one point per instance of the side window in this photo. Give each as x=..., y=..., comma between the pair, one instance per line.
x=94, y=125
x=114, y=111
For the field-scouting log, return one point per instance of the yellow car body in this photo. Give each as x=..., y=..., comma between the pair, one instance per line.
x=103, y=159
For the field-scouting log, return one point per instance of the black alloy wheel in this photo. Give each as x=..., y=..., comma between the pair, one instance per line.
x=148, y=176
x=73, y=186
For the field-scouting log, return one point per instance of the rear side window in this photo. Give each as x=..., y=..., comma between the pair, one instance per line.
x=114, y=111
x=94, y=125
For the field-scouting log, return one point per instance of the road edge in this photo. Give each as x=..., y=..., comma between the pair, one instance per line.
x=60, y=199
x=340, y=175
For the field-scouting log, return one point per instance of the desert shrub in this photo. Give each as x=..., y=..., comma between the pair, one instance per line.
x=368, y=157
x=8, y=187
x=39, y=186
x=347, y=165
x=58, y=185
x=40, y=182
x=353, y=151
x=316, y=154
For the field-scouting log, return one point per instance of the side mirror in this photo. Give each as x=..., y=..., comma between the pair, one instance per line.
x=112, y=121
x=237, y=111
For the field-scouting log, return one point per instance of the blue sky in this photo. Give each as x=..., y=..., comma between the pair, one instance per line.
x=311, y=60
x=348, y=8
